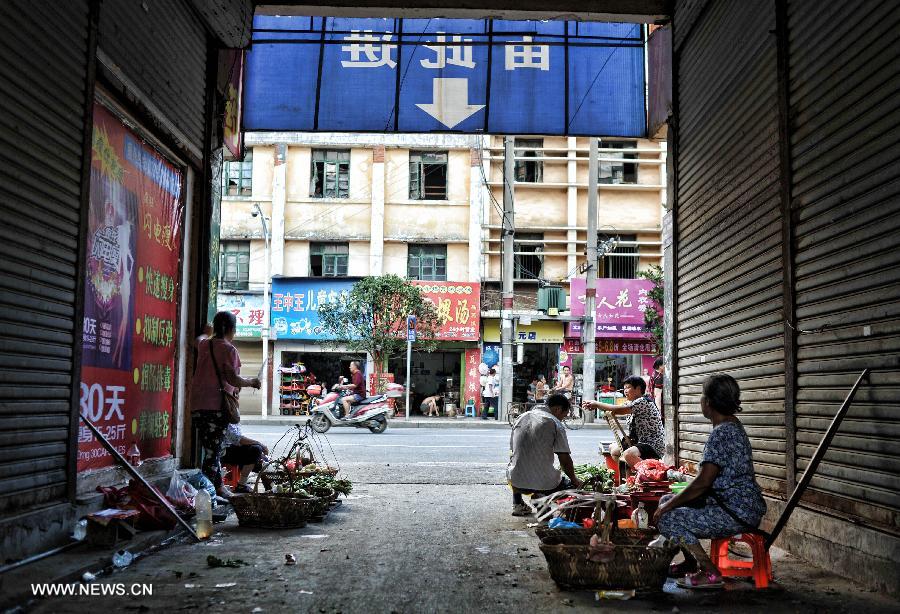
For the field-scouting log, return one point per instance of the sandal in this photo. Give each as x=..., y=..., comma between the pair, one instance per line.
x=680, y=570
x=701, y=580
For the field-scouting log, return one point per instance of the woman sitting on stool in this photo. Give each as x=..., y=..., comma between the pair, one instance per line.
x=724, y=499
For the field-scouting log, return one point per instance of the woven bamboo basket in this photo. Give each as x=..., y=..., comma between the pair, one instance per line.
x=632, y=565
x=271, y=510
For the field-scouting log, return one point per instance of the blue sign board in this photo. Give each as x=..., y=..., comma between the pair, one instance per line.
x=411, y=328
x=295, y=305
x=441, y=75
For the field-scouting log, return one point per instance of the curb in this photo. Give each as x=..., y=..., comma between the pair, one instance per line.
x=400, y=423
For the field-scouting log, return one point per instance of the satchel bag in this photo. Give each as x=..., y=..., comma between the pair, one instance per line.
x=229, y=401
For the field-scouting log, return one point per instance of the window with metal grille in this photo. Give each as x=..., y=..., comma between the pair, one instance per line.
x=526, y=170
x=330, y=176
x=427, y=175
x=528, y=266
x=618, y=172
x=427, y=262
x=237, y=177
x=234, y=269
x=622, y=265
x=328, y=259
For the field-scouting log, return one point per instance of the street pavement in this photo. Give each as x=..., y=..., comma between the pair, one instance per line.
x=426, y=529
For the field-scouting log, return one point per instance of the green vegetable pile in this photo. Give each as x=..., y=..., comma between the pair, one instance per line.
x=595, y=477
x=325, y=482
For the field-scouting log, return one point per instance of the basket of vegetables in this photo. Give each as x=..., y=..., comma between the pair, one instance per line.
x=287, y=509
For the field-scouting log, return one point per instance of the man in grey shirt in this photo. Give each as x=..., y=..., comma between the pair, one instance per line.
x=536, y=437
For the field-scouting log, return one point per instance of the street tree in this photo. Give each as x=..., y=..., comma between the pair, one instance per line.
x=373, y=318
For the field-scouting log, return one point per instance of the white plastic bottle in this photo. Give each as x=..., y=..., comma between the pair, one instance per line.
x=203, y=505
x=639, y=516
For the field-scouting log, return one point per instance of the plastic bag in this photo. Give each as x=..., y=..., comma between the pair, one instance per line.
x=180, y=492
x=201, y=482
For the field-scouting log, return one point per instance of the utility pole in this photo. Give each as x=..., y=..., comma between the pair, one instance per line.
x=507, y=272
x=263, y=370
x=589, y=330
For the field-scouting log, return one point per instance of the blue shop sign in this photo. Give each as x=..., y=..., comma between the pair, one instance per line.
x=295, y=305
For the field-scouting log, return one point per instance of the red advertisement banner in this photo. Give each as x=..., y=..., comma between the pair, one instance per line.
x=458, y=305
x=473, y=379
x=129, y=331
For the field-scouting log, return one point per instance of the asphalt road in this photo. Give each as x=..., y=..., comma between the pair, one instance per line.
x=425, y=455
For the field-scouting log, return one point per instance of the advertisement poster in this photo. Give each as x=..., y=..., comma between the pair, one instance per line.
x=131, y=295
x=295, y=304
x=248, y=311
x=620, y=306
x=473, y=379
x=458, y=305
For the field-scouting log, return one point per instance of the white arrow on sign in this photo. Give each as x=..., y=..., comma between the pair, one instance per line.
x=451, y=102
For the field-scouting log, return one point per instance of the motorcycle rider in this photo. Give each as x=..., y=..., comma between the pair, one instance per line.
x=357, y=385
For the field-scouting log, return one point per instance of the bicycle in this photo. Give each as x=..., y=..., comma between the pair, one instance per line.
x=574, y=420
x=514, y=410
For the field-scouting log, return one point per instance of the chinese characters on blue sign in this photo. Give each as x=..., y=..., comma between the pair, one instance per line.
x=295, y=305
x=433, y=75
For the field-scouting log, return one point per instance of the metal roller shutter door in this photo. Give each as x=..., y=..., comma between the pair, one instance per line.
x=161, y=45
x=845, y=151
x=41, y=156
x=729, y=294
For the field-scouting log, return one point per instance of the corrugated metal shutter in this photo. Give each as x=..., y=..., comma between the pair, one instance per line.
x=845, y=151
x=160, y=45
x=40, y=165
x=729, y=285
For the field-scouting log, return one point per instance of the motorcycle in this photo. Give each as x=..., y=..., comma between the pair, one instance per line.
x=371, y=413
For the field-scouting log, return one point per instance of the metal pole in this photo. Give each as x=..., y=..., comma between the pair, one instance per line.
x=507, y=273
x=408, y=375
x=814, y=461
x=264, y=388
x=589, y=330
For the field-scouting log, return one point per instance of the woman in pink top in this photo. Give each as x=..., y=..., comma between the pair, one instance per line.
x=208, y=416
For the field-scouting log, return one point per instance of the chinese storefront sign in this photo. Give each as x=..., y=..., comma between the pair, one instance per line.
x=131, y=295
x=620, y=307
x=454, y=74
x=232, y=66
x=248, y=311
x=473, y=379
x=458, y=305
x=539, y=331
x=614, y=346
x=295, y=305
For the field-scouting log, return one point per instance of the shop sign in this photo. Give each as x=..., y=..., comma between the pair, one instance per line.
x=233, y=69
x=539, y=331
x=473, y=379
x=574, y=346
x=295, y=304
x=620, y=307
x=131, y=295
x=378, y=385
x=625, y=346
x=248, y=311
x=458, y=305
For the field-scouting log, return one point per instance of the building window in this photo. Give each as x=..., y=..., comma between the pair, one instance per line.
x=526, y=170
x=528, y=266
x=330, y=176
x=328, y=259
x=621, y=266
x=427, y=175
x=427, y=262
x=237, y=177
x=618, y=172
x=234, y=269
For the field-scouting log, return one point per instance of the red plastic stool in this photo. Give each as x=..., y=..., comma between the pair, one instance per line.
x=613, y=466
x=231, y=474
x=760, y=568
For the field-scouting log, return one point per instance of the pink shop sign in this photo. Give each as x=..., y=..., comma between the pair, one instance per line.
x=620, y=307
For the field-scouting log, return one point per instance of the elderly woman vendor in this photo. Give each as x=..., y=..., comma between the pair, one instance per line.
x=724, y=498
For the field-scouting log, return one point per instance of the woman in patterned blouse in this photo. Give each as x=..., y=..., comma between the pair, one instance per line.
x=724, y=499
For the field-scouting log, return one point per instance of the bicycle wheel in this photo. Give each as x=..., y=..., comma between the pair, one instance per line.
x=513, y=411
x=575, y=418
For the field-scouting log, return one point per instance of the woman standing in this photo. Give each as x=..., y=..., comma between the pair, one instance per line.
x=217, y=361
x=724, y=499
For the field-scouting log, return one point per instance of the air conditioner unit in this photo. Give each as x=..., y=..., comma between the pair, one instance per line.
x=551, y=300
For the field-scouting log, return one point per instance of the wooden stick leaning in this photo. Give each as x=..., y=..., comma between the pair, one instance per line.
x=134, y=473
x=618, y=432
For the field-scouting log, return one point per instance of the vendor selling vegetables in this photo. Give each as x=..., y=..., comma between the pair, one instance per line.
x=536, y=437
x=646, y=438
x=724, y=499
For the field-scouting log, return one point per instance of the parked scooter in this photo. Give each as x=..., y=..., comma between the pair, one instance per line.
x=372, y=413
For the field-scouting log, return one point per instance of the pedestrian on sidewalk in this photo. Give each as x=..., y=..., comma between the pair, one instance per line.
x=489, y=393
x=537, y=436
x=217, y=361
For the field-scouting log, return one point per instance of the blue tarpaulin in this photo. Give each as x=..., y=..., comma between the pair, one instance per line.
x=443, y=75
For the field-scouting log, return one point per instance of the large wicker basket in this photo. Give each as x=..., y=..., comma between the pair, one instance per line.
x=276, y=510
x=634, y=566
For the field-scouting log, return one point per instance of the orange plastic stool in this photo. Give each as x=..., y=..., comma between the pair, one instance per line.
x=760, y=568
x=230, y=475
